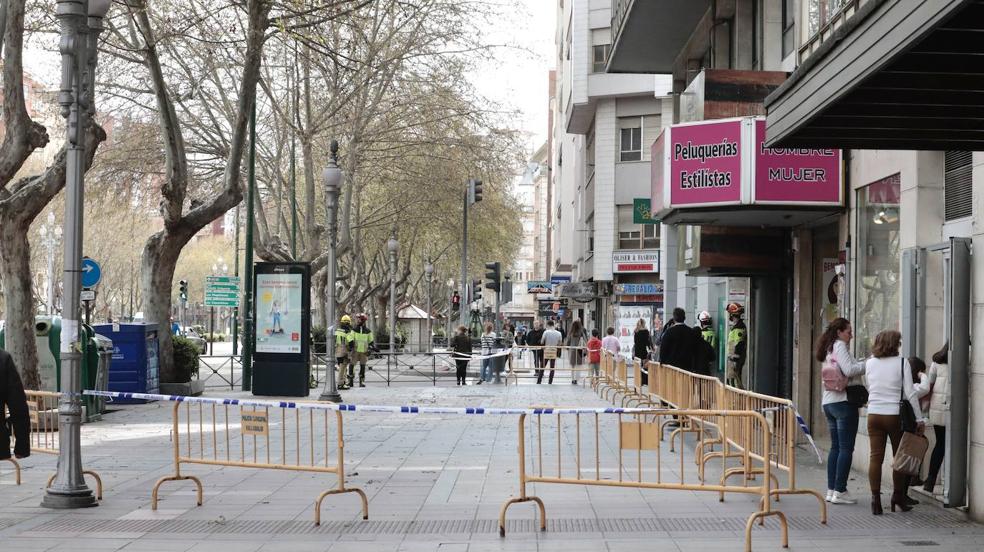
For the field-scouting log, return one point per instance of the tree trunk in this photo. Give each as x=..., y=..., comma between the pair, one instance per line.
x=160, y=256
x=15, y=269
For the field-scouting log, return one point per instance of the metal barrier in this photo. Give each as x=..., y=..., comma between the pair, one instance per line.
x=43, y=411
x=684, y=390
x=215, y=365
x=593, y=462
x=527, y=359
x=209, y=439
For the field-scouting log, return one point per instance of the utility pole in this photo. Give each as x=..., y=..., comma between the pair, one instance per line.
x=248, y=326
x=473, y=194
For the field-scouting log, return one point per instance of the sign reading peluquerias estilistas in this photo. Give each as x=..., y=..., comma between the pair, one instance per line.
x=724, y=162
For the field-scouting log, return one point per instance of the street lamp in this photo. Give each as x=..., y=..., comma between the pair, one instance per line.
x=393, y=245
x=50, y=234
x=333, y=180
x=429, y=272
x=81, y=22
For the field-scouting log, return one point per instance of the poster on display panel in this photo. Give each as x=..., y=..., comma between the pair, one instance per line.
x=628, y=317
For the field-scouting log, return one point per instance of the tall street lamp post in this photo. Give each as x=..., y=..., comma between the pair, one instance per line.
x=429, y=273
x=333, y=180
x=450, y=308
x=393, y=245
x=50, y=234
x=81, y=22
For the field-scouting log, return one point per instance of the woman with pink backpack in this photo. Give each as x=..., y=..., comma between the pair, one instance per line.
x=841, y=401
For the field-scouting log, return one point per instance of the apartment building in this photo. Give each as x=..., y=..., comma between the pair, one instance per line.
x=604, y=125
x=883, y=236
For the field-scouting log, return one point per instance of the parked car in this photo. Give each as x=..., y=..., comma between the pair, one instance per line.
x=195, y=338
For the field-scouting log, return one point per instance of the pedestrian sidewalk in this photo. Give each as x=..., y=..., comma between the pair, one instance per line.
x=435, y=482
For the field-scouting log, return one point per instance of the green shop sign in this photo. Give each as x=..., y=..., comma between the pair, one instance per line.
x=642, y=211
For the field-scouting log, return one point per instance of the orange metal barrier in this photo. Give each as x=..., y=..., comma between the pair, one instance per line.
x=737, y=439
x=209, y=439
x=523, y=362
x=592, y=449
x=43, y=409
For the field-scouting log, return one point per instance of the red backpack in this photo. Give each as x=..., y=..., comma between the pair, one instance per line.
x=832, y=376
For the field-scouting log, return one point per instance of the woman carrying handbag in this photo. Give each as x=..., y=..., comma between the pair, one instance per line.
x=890, y=386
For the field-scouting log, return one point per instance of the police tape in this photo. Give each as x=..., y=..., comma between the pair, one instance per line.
x=401, y=409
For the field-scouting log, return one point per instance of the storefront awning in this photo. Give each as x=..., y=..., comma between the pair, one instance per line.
x=897, y=75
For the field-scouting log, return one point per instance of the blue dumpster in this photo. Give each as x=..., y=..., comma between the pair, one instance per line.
x=136, y=355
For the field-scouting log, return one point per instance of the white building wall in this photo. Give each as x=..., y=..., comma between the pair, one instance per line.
x=605, y=220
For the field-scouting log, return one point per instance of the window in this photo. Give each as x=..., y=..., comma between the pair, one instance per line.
x=958, y=190
x=788, y=26
x=635, y=236
x=877, y=287
x=650, y=236
x=590, y=231
x=599, y=57
x=630, y=138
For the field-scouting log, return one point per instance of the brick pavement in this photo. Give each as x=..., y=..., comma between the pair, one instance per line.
x=435, y=483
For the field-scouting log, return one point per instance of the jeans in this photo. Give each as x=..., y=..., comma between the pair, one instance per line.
x=486, y=373
x=936, y=459
x=842, y=421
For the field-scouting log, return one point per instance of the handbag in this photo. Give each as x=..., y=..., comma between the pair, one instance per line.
x=832, y=376
x=857, y=395
x=549, y=353
x=909, y=458
x=907, y=417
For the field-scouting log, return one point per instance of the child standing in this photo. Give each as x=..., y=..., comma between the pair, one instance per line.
x=594, y=353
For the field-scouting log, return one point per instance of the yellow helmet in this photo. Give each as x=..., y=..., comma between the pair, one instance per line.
x=346, y=319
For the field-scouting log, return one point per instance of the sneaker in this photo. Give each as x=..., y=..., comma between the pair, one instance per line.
x=830, y=494
x=842, y=498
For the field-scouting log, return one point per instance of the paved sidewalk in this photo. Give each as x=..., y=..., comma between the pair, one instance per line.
x=435, y=483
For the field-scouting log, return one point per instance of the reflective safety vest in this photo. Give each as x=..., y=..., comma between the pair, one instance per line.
x=736, y=336
x=343, y=341
x=710, y=337
x=362, y=337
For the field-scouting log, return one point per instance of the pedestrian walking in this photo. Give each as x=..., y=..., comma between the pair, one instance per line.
x=461, y=352
x=506, y=342
x=594, y=353
x=488, y=347
x=552, y=340
x=889, y=378
x=534, y=340
x=576, y=340
x=938, y=380
x=14, y=401
x=610, y=342
x=839, y=367
x=642, y=341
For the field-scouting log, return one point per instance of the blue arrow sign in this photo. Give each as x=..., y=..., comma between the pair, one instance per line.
x=91, y=273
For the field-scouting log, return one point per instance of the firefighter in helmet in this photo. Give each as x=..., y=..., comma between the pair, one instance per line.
x=737, y=345
x=709, y=336
x=344, y=338
x=363, y=343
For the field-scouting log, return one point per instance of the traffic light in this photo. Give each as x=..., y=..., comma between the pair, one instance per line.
x=493, y=273
x=474, y=191
x=183, y=290
x=476, y=290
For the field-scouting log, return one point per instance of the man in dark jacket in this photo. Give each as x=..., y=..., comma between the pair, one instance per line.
x=535, y=339
x=678, y=346
x=12, y=398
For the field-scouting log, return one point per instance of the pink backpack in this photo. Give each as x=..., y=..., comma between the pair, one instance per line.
x=832, y=376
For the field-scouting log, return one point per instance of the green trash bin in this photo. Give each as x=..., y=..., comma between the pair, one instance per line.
x=47, y=336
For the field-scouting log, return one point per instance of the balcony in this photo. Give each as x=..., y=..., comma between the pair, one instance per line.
x=647, y=35
x=827, y=21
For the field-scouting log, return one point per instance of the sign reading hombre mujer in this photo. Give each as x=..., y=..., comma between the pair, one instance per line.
x=724, y=162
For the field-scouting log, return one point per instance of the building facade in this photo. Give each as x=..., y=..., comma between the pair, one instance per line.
x=883, y=236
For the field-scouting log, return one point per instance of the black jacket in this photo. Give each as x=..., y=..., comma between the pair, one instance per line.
x=534, y=338
x=679, y=347
x=642, y=341
x=461, y=344
x=12, y=398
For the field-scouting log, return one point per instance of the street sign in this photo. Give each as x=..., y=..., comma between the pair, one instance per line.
x=87, y=295
x=91, y=272
x=222, y=291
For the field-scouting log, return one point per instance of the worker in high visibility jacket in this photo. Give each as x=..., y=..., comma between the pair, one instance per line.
x=737, y=345
x=363, y=343
x=344, y=338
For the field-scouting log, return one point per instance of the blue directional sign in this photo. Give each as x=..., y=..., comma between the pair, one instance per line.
x=91, y=273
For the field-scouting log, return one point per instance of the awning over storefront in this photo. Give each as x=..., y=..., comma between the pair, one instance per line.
x=899, y=74
x=649, y=34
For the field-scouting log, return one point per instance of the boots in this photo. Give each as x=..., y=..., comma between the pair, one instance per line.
x=876, y=507
x=901, y=499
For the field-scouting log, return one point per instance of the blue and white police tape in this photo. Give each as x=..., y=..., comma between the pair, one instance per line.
x=403, y=409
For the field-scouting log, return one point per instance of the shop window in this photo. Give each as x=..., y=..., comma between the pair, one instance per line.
x=630, y=138
x=878, y=282
x=958, y=190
